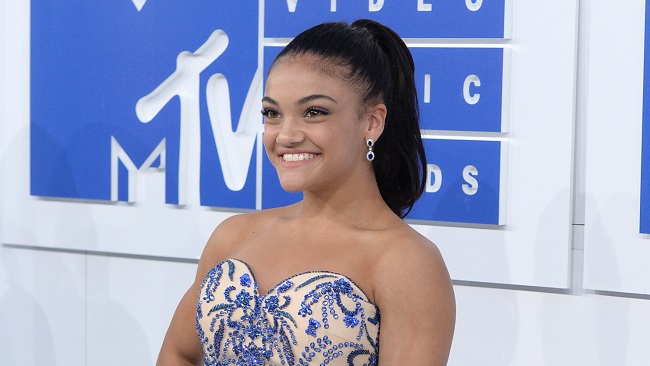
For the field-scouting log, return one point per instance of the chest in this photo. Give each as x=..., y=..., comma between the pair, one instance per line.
x=308, y=318
x=276, y=257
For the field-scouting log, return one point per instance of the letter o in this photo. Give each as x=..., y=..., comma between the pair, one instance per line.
x=375, y=5
x=473, y=5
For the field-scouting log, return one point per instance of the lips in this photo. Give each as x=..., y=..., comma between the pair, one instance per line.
x=297, y=157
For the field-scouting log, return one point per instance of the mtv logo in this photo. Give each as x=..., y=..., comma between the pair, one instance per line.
x=124, y=89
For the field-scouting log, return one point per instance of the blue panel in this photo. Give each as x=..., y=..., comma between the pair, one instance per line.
x=444, y=19
x=455, y=196
x=644, y=226
x=460, y=89
x=91, y=61
x=122, y=193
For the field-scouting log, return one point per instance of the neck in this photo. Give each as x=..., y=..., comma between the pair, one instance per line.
x=358, y=205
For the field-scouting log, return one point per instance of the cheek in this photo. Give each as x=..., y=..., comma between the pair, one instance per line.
x=344, y=139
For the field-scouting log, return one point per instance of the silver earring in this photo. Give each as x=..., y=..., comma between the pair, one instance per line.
x=370, y=155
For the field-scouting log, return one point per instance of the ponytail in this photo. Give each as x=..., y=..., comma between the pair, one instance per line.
x=400, y=163
x=378, y=62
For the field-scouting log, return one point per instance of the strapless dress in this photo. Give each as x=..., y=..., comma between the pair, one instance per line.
x=311, y=318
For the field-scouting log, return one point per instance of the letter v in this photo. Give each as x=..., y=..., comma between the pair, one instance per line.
x=234, y=148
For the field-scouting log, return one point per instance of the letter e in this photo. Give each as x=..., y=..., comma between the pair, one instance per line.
x=423, y=7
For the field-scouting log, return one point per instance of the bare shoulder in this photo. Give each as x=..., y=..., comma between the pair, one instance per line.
x=410, y=262
x=415, y=296
x=405, y=252
x=230, y=233
x=235, y=227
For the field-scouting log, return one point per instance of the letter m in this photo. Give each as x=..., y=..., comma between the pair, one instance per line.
x=118, y=155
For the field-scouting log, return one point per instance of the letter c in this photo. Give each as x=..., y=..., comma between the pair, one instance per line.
x=471, y=98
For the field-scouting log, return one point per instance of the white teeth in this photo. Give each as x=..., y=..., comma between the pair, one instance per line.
x=297, y=157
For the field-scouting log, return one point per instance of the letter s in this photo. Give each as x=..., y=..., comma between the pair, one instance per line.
x=469, y=173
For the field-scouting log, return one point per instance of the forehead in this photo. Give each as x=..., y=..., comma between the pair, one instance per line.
x=326, y=66
x=305, y=75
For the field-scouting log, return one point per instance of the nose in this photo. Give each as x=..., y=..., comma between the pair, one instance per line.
x=290, y=133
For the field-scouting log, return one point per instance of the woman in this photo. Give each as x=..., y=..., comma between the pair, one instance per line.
x=284, y=286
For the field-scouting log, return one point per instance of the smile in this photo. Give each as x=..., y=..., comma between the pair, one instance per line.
x=297, y=157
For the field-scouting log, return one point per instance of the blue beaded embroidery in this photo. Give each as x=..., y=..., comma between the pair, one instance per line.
x=245, y=280
x=313, y=325
x=238, y=326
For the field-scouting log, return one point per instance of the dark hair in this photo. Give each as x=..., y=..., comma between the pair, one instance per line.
x=376, y=60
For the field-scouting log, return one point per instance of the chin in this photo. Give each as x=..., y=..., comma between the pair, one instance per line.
x=291, y=187
x=296, y=184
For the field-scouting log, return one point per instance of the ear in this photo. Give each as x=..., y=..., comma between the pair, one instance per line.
x=376, y=114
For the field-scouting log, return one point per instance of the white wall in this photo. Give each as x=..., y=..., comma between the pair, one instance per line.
x=85, y=306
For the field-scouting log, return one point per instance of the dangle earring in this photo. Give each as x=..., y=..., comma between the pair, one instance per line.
x=370, y=155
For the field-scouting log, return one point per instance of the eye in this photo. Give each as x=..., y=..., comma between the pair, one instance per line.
x=315, y=112
x=270, y=113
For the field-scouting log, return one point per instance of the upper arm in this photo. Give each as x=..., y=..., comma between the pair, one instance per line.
x=418, y=311
x=181, y=345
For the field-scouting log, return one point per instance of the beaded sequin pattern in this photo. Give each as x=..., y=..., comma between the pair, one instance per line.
x=312, y=318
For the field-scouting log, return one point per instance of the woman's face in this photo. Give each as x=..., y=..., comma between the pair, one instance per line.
x=313, y=132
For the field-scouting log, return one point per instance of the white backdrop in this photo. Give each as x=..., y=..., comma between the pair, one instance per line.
x=70, y=308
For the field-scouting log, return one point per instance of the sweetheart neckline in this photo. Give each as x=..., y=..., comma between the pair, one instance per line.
x=267, y=293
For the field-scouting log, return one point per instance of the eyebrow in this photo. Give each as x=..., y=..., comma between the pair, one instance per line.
x=309, y=98
x=301, y=101
x=269, y=100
